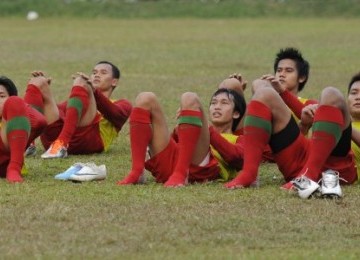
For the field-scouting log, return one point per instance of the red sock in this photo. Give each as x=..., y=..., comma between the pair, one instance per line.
x=77, y=106
x=326, y=132
x=34, y=98
x=17, y=133
x=257, y=131
x=189, y=130
x=140, y=137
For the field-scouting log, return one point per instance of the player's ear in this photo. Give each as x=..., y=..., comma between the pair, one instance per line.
x=236, y=115
x=114, y=82
x=302, y=79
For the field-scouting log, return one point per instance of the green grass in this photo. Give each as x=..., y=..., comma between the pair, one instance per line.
x=181, y=8
x=45, y=219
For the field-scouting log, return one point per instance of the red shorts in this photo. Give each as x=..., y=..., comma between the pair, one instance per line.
x=162, y=166
x=292, y=159
x=85, y=140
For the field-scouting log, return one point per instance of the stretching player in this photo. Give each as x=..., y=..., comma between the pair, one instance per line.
x=88, y=122
x=20, y=125
x=354, y=108
x=302, y=161
x=185, y=155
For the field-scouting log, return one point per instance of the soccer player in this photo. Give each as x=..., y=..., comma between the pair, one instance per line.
x=292, y=71
x=184, y=156
x=302, y=161
x=89, y=121
x=354, y=108
x=20, y=125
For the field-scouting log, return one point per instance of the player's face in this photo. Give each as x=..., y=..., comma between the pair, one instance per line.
x=221, y=109
x=288, y=75
x=3, y=97
x=354, y=100
x=102, y=77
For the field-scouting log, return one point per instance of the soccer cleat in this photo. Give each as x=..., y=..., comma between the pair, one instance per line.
x=330, y=186
x=31, y=150
x=305, y=187
x=89, y=173
x=56, y=150
x=70, y=171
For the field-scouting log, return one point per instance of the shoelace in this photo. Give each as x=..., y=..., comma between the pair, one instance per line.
x=331, y=179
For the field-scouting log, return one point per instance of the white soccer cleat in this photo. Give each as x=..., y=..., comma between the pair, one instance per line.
x=89, y=173
x=330, y=184
x=305, y=187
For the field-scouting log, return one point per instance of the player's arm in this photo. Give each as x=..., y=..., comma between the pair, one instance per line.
x=116, y=112
x=294, y=103
x=233, y=154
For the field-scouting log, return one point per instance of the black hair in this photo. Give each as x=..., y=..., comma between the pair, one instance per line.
x=302, y=65
x=9, y=86
x=115, y=70
x=239, y=104
x=354, y=79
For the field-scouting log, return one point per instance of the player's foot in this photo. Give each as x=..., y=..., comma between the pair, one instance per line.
x=305, y=187
x=56, y=150
x=330, y=186
x=176, y=180
x=242, y=180
x=13, y=176
x=132, y=178
x=289, y=186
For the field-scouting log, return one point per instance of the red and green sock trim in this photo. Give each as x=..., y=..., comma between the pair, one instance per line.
x=18, y=123
x=258, y=116
x=191, y=117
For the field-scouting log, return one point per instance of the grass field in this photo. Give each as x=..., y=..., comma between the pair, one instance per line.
x=47, y=219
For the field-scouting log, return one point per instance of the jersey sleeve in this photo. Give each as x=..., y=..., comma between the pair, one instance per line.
x=115, y=112
x=233, y=154
x=294, y=103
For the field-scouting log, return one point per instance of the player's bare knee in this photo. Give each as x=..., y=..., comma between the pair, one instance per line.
x=265, y=94
x=145, y=99
x=332, y=96
x=190, y=100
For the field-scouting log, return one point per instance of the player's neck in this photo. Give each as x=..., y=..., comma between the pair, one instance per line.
x=107, y=93
x=223, y=129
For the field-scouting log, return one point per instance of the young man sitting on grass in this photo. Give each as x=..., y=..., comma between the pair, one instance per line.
x=354, y=108
x=20, y=125
x=185, y=155
x=89, y=121
x=302, y=161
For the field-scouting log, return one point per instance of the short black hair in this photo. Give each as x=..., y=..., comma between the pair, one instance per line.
x=115, y=70
x=239, y=104
x=302, y=65
x=354, y=79
x=9, y=86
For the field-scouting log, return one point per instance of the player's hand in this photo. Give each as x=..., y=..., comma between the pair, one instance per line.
x=307, y=114
x=39, y=79
x=275, y=83
x=81, y=79
x=240, y=78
